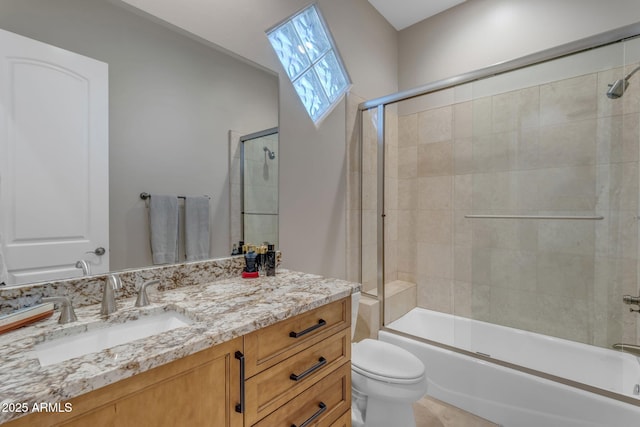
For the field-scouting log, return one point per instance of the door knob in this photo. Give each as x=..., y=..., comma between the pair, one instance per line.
x=99, y=251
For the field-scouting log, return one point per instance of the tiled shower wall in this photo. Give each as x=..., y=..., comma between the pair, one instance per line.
x=560, y=148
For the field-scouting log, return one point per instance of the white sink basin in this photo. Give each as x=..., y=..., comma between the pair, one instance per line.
x=64, y=348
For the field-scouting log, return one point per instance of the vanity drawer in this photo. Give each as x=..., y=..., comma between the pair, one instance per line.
x=343, y=421
x=274, y=387
x=268, y=346
x=320, y=405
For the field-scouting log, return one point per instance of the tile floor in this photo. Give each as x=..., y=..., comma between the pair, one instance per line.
x=434, y=413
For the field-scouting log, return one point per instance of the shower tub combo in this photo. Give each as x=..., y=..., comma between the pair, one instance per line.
x=505, y=394
x=517, y=202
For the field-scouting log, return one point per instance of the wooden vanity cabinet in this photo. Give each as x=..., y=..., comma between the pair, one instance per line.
x=199, y=390
x=297, y=372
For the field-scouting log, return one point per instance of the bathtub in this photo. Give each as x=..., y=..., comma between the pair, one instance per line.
x=511, y=397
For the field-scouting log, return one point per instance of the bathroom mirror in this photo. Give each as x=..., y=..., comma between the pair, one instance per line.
x=174, y=100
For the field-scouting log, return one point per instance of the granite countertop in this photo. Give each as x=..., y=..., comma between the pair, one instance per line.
x=220, y=311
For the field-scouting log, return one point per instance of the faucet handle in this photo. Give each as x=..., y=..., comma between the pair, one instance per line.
x=67, y=315
x=143, y=299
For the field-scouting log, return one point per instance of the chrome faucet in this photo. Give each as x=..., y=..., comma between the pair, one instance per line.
x=67, y=315
x=143, y=299
x=108, y=294
x=84, y=265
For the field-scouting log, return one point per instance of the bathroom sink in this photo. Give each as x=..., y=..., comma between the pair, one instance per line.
x=56, y=350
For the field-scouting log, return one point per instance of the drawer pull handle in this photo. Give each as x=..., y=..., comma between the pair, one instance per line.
x=313, y=417
x=320, y=324
x=240, y=406
x=297, y=377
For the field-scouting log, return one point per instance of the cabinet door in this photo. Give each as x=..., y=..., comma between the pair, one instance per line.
x=197, y=397
x=198, y=390
x=102, y=417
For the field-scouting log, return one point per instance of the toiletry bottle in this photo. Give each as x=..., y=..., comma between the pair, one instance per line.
x=234, y=251
x=250, y=259
x=271, y=261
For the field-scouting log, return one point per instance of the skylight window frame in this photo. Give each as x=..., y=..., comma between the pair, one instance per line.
x=313, y=63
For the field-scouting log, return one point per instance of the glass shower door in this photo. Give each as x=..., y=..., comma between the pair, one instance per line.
x=259, y=172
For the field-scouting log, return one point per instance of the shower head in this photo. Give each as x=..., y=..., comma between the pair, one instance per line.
x=617, y=88
x=272, y=154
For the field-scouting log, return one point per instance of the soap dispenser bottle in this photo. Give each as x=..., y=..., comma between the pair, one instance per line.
x=271, y=261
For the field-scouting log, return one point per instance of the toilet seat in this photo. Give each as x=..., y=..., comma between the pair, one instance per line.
x=385, y=362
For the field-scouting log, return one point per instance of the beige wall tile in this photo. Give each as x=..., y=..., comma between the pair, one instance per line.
x=408, y=162
x=564, y=274
x=434, y=294
x=568, y=144
x=435, y=227
x=407, y=223
x=435, y=159
x=462, y=264
x=462, y=228
x=463, y=192
x=526, y=151
x=463, y=156
x=513, y=269
x=568, y=188
x=623, y=190
x=407, y=194
x=435, y=192
x=434, y=261
x=463, y=120
x=493, y=152
x=435, y=125
x=568, y=237
x=482, y=116
x=529, y=108
x=408, y=131
x=407, y=261
x=618, y=139
x=568, y=100
x=505, y=112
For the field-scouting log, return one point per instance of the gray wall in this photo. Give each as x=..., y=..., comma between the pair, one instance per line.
x=172, y=101
x=479, y=33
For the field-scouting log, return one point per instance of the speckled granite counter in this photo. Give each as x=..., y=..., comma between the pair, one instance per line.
x=220, y=311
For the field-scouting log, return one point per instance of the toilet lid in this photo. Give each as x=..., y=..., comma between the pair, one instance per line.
x=386, y=362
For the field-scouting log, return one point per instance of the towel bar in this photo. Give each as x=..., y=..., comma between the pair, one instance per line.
x=145, y=196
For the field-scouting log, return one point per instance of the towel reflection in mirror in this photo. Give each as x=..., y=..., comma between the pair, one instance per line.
x=165, y=222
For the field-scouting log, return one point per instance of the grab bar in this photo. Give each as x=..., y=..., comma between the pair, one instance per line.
x=596, y=218
x=628, y=348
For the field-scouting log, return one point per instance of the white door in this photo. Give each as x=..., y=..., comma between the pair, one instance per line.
x=54, y=184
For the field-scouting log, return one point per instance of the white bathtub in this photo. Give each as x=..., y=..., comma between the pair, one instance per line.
x=508, y=396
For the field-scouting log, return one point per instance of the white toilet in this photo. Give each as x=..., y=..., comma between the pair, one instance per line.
x=385, y=381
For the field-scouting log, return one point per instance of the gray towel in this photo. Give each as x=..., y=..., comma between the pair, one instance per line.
x=196, y=226
x=163, y=221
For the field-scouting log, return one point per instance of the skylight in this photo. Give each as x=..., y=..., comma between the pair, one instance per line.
x=307, y=53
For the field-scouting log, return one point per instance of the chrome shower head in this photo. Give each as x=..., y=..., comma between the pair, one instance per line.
x=272, y=154
x=617, y=88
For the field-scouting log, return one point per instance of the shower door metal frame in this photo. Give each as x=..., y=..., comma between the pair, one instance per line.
x=595, y=41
